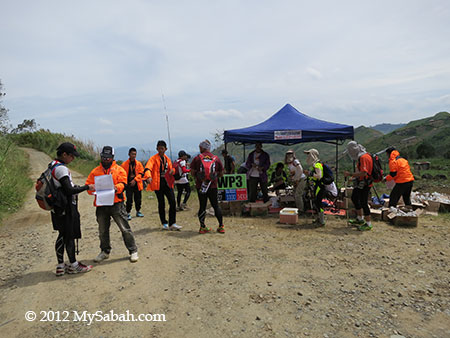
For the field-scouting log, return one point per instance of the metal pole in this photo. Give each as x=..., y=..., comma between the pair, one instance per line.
x=168, y=130
x=337, y=163
x=244, y=152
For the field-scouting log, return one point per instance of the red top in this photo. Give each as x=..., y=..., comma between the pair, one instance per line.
x=196, y=165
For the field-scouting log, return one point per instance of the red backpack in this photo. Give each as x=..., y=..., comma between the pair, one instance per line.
x=177, y=170
x=208, y=168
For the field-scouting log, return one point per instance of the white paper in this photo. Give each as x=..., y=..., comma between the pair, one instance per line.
x=104, y=189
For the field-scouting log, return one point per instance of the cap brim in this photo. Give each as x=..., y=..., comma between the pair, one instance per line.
x=306, y=151
x=106, y=155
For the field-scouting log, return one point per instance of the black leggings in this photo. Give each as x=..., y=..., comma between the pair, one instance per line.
x=360, y=199
x=211, y=194
x=183, y=187
x=164, y=190
x=62, y=242
x=401, y=189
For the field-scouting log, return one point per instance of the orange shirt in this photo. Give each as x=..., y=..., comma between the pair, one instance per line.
x=152, y=170
x=365, y=163
x=139, y=171
x=400, y=166
x=119, y=177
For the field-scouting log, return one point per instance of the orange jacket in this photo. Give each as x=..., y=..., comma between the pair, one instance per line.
x=400, y=166
x=119, y=178
x=152, y=171
x=139, y=171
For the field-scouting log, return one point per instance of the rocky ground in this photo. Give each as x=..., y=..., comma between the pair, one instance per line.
x=260, y=279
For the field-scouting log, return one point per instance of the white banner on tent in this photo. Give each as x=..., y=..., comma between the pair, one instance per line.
x=287, y=134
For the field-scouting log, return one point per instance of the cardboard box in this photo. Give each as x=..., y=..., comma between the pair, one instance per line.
x=258, y=209
x=444, y=207
x=289, y=215
x=432, y=206
x=235, y=208
x=375, y=214
x=384, y=213
x=411, y=221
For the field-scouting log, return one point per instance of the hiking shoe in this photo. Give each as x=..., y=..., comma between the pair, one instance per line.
x=139, y=214
x=101, y=257
x=134, y=257
x=221, y=229
x=61, y=269
x=204, y=230
x=179, y=209
x=129, y=217
x=175, y=227
x=165, y=226
x=79, y=268
x=365, y=227
x=356, y=222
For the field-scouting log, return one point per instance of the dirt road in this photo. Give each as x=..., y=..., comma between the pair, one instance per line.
x=260, y=279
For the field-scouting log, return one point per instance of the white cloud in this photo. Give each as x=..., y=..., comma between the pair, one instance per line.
x=105, y=122
x=314, y=73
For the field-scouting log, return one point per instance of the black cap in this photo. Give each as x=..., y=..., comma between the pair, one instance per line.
x=182, y=153
x=107, y=152
x=68, y=148
x=390, y=150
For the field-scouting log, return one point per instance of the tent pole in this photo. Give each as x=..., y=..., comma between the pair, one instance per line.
x=337, y=163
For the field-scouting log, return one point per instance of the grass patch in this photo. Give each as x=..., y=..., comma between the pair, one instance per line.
x=14, y=180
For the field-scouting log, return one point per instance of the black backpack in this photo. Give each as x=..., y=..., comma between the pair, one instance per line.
x=377, y=171
x=48, y=196
x=328, y=176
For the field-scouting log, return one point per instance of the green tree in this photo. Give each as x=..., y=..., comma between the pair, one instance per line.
x=4, y=120
x=425, y=150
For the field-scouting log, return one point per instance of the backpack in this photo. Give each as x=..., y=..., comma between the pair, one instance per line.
x=207, y=168
x=328, y=176
x=377, y=171
x=177, y=168
x=48, y=196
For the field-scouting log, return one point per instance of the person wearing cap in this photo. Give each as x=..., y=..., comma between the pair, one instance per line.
x=297, y=177
x=258, y=162
x=400, y=173
x=135, y=174
x=315, y=174
x=116, y=211
x=182, y=183
x=207, y=188
x=67, y=220
x=159, y=176
x=228, y=162
x=362, y=185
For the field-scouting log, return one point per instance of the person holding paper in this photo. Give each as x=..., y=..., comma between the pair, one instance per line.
x=159, y=175
x=102, y=175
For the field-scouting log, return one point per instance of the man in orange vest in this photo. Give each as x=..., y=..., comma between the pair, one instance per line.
x=159, y=176
x=135, y=174
x=117, y=211
x=400, y=172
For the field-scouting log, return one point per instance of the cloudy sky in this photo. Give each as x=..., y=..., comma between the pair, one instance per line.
x=98, y=69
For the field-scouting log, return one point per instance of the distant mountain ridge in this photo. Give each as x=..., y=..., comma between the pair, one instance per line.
x=386, y=128
x=433, y=130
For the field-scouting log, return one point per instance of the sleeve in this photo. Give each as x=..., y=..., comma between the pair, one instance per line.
x=183, y=167
x=148, y=169
x=139, y=172
x=249, y=162
x=91, y=180
x=60, y=171
x=392, y=170
x=69, y=189
x=121, y=180
x=266, y=165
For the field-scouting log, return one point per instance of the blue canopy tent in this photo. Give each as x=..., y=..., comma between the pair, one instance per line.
x=289, y=126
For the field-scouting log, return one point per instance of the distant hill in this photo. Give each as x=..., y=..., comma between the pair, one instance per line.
x=386, y=128
x=433, y=130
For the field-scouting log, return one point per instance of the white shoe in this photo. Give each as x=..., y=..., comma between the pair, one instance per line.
x=101, y=257
x=175, y=227
x=134, y=257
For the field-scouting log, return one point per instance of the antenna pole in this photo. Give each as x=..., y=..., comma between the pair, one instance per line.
x=168, y=130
